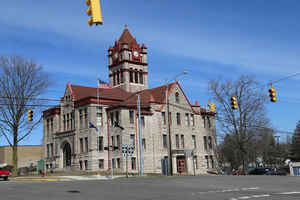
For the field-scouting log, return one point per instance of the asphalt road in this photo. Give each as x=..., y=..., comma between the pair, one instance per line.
x=165, y=188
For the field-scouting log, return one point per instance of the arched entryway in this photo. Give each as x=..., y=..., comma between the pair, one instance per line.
x=67, y=155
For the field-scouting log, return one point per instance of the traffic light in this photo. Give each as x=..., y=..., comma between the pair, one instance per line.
x=94, y=11
x=212, y=107
x=30, y=115
x=233, y=103
x=272, y=95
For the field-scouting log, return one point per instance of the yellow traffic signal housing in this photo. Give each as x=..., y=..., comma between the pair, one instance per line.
x=30, y=115
x=233, y=103
x=212, y=107
x=94, y=11
x=272, y=95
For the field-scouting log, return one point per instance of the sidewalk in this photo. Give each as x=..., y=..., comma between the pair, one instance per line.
x=61, y=178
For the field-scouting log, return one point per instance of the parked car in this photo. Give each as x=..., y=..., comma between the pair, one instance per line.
x=258, y=171
x=237, y=172
x=277, y=172
x=4, y=172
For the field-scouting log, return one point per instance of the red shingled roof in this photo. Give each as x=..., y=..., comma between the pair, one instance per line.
x=81, y=92
x=127, y=38
x=126, y=99
x=155, y=95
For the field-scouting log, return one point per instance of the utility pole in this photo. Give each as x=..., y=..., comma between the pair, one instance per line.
x=170, y=164
x=140, y=136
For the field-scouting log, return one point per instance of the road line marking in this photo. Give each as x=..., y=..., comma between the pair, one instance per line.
x=244, y=197
x=289, y=193
x=260, y=195
x=250, y=197
x=230, y=190
x=253, y=188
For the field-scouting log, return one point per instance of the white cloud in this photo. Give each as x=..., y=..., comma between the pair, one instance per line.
x=260, y=54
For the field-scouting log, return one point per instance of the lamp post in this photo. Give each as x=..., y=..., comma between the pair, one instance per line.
x=170, y=163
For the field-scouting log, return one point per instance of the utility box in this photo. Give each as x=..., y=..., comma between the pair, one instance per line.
x=40, y=166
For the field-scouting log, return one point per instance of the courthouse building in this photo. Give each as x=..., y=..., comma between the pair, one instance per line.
x=89, y=119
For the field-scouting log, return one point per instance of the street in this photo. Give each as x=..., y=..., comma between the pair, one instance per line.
x=200, y=187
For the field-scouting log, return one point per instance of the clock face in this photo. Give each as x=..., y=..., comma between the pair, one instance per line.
x=116, y=55
x=136, y=54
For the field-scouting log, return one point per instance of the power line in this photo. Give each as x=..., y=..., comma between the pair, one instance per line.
x=287, y=77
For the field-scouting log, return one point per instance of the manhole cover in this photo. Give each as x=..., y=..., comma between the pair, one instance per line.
x=73, y=191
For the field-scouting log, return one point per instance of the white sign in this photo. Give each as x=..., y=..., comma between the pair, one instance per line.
x=124, y=150
x=130, y=150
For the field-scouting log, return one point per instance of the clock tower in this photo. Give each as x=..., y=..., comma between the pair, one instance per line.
x=127, y=63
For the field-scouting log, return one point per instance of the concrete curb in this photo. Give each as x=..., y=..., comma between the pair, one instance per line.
x=61, y=178
x=38, y=179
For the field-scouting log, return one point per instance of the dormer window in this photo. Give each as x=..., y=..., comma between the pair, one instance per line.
x=177, y=97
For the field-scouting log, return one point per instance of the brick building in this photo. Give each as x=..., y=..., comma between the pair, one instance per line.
x=27, y=155
x=70, y=143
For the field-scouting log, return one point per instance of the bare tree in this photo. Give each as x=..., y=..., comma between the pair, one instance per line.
x=295, y=146
x=21, y=83
x=240, y=123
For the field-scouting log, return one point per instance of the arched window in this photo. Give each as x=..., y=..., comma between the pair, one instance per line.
x=141, y=77
x=177, y=97
x=136, y=78
x=131, y=75
x=114, y=78
x=122, y=76
x=118, y=77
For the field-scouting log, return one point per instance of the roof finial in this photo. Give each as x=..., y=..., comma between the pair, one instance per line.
x=125, y=26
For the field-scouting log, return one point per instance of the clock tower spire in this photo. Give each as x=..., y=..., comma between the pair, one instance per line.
x=127, y=63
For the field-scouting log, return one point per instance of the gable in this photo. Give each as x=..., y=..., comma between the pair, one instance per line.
x=183, y=100
x=68, y=95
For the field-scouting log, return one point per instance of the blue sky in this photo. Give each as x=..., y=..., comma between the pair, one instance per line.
x=207, y=38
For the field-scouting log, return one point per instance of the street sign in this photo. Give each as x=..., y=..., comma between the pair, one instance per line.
x=130, y=150
x=111, y=148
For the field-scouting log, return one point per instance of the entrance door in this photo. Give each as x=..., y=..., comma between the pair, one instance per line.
x=67, y=155
x=181, y=164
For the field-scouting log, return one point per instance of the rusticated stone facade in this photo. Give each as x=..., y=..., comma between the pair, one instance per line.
x=89, y=119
